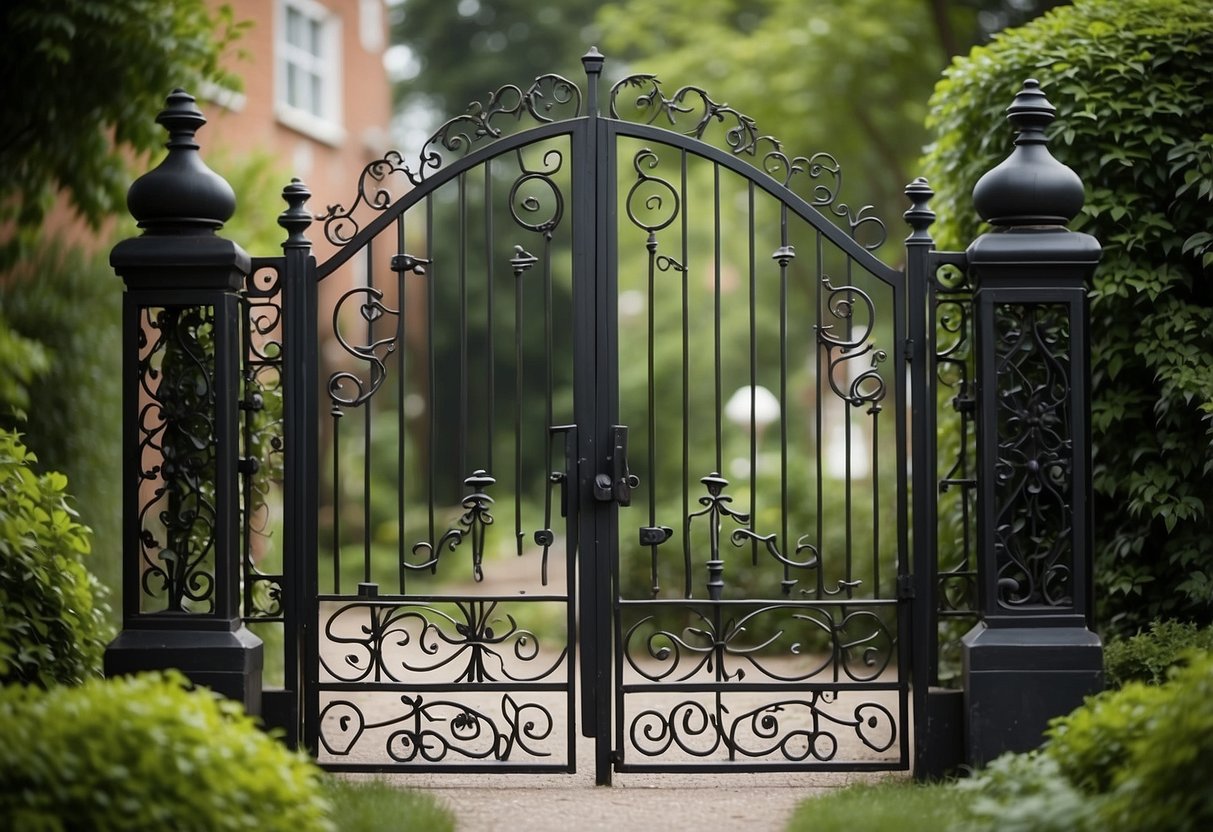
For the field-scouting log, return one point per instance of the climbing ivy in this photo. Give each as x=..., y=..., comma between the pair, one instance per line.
x=1135, y=100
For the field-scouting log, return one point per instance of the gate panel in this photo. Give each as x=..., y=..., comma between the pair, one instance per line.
x=757, y=615
x=446, y=610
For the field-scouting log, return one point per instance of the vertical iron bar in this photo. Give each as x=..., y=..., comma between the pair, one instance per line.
x=849, y=326
x=783, y=384
x=716, y=264
x=817, y=283
x=518, y=379
x=651, y=415
x=400, y=418
x=686, y=389
x=490, y=361
x=549, y=388
x=463, y=326
x=431, y=403
x=366, y=427
x=754, y=382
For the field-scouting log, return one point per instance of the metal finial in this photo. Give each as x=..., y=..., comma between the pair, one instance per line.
x=181, y=195
x=919, y=215
x=1029, y=187
x=296, y=218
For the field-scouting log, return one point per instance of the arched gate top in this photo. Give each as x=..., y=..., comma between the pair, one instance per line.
x=512, y=117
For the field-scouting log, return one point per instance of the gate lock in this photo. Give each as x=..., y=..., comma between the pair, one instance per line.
x=616, y=486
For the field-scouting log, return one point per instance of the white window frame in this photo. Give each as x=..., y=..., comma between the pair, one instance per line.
x=324, y=126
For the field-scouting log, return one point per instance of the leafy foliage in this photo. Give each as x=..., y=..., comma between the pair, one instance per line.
x=52, y=611
x=61, y=129
x=70, y=304
x=1149, y=656
x=463, y=51
x=146, y=753
x=21, y=361
x=1137, y=125
x=1137, y=758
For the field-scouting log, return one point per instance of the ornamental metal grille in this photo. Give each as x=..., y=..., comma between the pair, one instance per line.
x=605, y=411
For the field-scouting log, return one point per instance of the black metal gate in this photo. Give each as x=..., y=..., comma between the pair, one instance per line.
x=604, y=426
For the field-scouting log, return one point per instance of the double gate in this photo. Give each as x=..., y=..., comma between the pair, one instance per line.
x=602, y=432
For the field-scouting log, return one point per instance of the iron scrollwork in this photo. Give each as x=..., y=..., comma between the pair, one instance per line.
x=374, y=352
x=690, y=111
x=473, y=522
x=262, y=437
x=438, y=729
x=1034, y=457
x=177, y=454
x=857, y=642
x=867, y=387
x=761, y=732
x=549, y=98
x=394, y=641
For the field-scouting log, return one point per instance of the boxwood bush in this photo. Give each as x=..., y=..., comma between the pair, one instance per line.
x=145, y=753
x=53, y=627
x=1137, y=758
x=1150, y=655
x=1132, y=85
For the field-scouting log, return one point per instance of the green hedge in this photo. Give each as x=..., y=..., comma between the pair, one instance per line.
x=53, y=627
x=1150, y=655
x=144, y=753
x=1132, y=85
x=1133, y=759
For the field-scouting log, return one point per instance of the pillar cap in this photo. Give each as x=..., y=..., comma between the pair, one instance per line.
x=181, y=195
x=1029, y=187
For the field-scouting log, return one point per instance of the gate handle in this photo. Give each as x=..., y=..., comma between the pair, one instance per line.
x=618, y=484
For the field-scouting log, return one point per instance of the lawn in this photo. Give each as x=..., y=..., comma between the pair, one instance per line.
x=373, y=806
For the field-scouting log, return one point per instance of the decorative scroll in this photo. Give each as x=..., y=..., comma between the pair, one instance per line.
x=715, y=508
x=391, y=642
x=527, y=209
x=177, y=455
x=262, y=438
x=473, y=523
x=692, y=112
x=956, y=580
x=854, y=642
x=433, y=731
x=867, y=387
x=346, y=388
x=1034, y=455
x=796, y=730
x=550, y=98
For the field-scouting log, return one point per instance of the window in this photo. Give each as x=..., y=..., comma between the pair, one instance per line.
x=308, y=69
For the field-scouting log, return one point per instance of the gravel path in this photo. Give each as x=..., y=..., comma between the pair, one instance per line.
x=636, y=803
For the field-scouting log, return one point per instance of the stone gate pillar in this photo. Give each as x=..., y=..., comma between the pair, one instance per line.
x=181, y=362
x=1033, y=656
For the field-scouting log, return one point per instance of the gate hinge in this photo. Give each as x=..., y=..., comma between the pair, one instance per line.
x=908, y=349
x=905, y=587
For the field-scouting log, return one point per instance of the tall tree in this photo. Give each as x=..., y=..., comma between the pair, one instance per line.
x=464, y=50
x=84, y=80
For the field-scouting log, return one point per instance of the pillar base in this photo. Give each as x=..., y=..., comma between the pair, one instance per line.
x=1016, y=679
x=228, y=662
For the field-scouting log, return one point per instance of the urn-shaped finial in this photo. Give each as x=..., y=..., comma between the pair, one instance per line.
x=1029, y=187
x=181, y=195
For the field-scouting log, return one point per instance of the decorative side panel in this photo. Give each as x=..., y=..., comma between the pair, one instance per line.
x=176, y=433
x=1033, y=468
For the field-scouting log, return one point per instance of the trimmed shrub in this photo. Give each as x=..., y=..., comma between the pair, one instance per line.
x=53, y=627
x=71, y=303
x=1132, y=85
x=1137, y=758
x=1147, y=657
x=145, y=753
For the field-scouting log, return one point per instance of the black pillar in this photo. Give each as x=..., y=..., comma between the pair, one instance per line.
x=1033, y=656
x=181, y=371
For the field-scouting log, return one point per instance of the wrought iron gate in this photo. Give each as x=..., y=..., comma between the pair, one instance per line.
x=607, y=425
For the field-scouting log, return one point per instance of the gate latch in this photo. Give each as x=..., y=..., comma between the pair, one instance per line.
x=616, y=483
